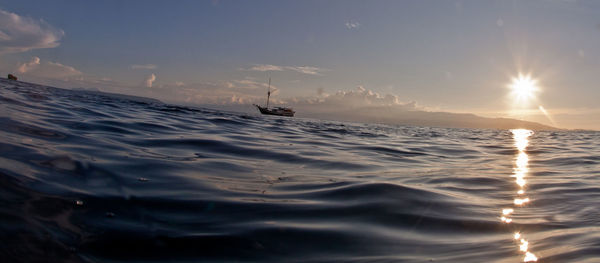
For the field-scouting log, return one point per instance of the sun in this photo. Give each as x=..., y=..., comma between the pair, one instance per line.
x=523, y=88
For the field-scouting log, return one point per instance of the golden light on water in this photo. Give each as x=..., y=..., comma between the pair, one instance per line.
x=522, y=160
x=521, y=201
x=521, y=142
x=521, y=138
x=524, y=245
x=529, y=257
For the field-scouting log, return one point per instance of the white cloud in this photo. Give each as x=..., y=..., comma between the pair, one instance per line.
x=149, y=80
x=36, y=68
x=145, y=66
x=300, y=69
x=20, y=34
x=352, y=25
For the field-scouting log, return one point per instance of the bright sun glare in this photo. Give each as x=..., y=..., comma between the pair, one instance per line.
x=523, y=87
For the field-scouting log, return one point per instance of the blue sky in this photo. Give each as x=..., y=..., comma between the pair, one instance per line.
x=456, y=56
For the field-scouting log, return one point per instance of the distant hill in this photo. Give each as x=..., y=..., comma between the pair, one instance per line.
x=389, y=115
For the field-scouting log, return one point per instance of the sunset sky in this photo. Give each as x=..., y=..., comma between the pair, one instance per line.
x=451, y=56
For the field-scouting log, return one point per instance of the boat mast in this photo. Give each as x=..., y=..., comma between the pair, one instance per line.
x=269, y=93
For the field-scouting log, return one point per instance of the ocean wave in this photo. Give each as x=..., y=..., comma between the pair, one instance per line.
x=89, y=177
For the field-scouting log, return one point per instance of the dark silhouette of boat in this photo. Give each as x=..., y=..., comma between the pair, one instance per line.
x=279, y=111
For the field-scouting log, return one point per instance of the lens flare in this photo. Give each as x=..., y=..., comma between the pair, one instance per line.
x=545, y=112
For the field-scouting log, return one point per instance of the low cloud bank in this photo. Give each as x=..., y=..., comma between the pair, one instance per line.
x=352, y=100
x=47, y=69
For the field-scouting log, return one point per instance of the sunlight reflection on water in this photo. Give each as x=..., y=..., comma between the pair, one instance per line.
x=520, y=171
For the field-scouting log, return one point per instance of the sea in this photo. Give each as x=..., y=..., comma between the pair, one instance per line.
x=92, y=177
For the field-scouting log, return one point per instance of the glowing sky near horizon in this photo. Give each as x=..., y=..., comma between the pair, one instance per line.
x=455, y=56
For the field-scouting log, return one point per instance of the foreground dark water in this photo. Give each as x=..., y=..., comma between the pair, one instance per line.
x=90, y=178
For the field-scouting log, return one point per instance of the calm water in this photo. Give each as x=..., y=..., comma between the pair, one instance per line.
x=91, y=178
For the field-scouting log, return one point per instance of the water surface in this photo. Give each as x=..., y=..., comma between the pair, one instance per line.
x=93, y=178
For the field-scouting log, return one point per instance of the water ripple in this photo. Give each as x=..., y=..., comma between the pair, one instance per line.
x=91, y=177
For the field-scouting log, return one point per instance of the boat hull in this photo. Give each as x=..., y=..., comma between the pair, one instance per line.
x=276, y=111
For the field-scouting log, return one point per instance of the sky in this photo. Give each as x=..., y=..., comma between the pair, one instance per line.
x=447, y=56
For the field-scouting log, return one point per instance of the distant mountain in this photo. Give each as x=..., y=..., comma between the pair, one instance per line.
x=389, y=115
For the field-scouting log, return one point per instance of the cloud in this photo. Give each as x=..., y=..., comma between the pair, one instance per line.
x=35, y=61
x=20, y=34
x=265, y=67
x=36, y=68
x=321, y=91
x=59, y=70
x=352, y=25
x=145, y=66
x=300, y=69
x=307, y=70
x=149, y=80
x=357, y=98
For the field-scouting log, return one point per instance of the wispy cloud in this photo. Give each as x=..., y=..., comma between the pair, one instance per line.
x=307, y=70
x=145, y=66
x=57, y=69
x=300, y=69
x=265, y=67
x=20, y=34
x=352, y=25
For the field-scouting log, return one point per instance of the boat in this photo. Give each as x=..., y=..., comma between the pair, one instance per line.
x=279, y=111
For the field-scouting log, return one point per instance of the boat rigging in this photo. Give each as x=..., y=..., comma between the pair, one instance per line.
x=279, y=111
